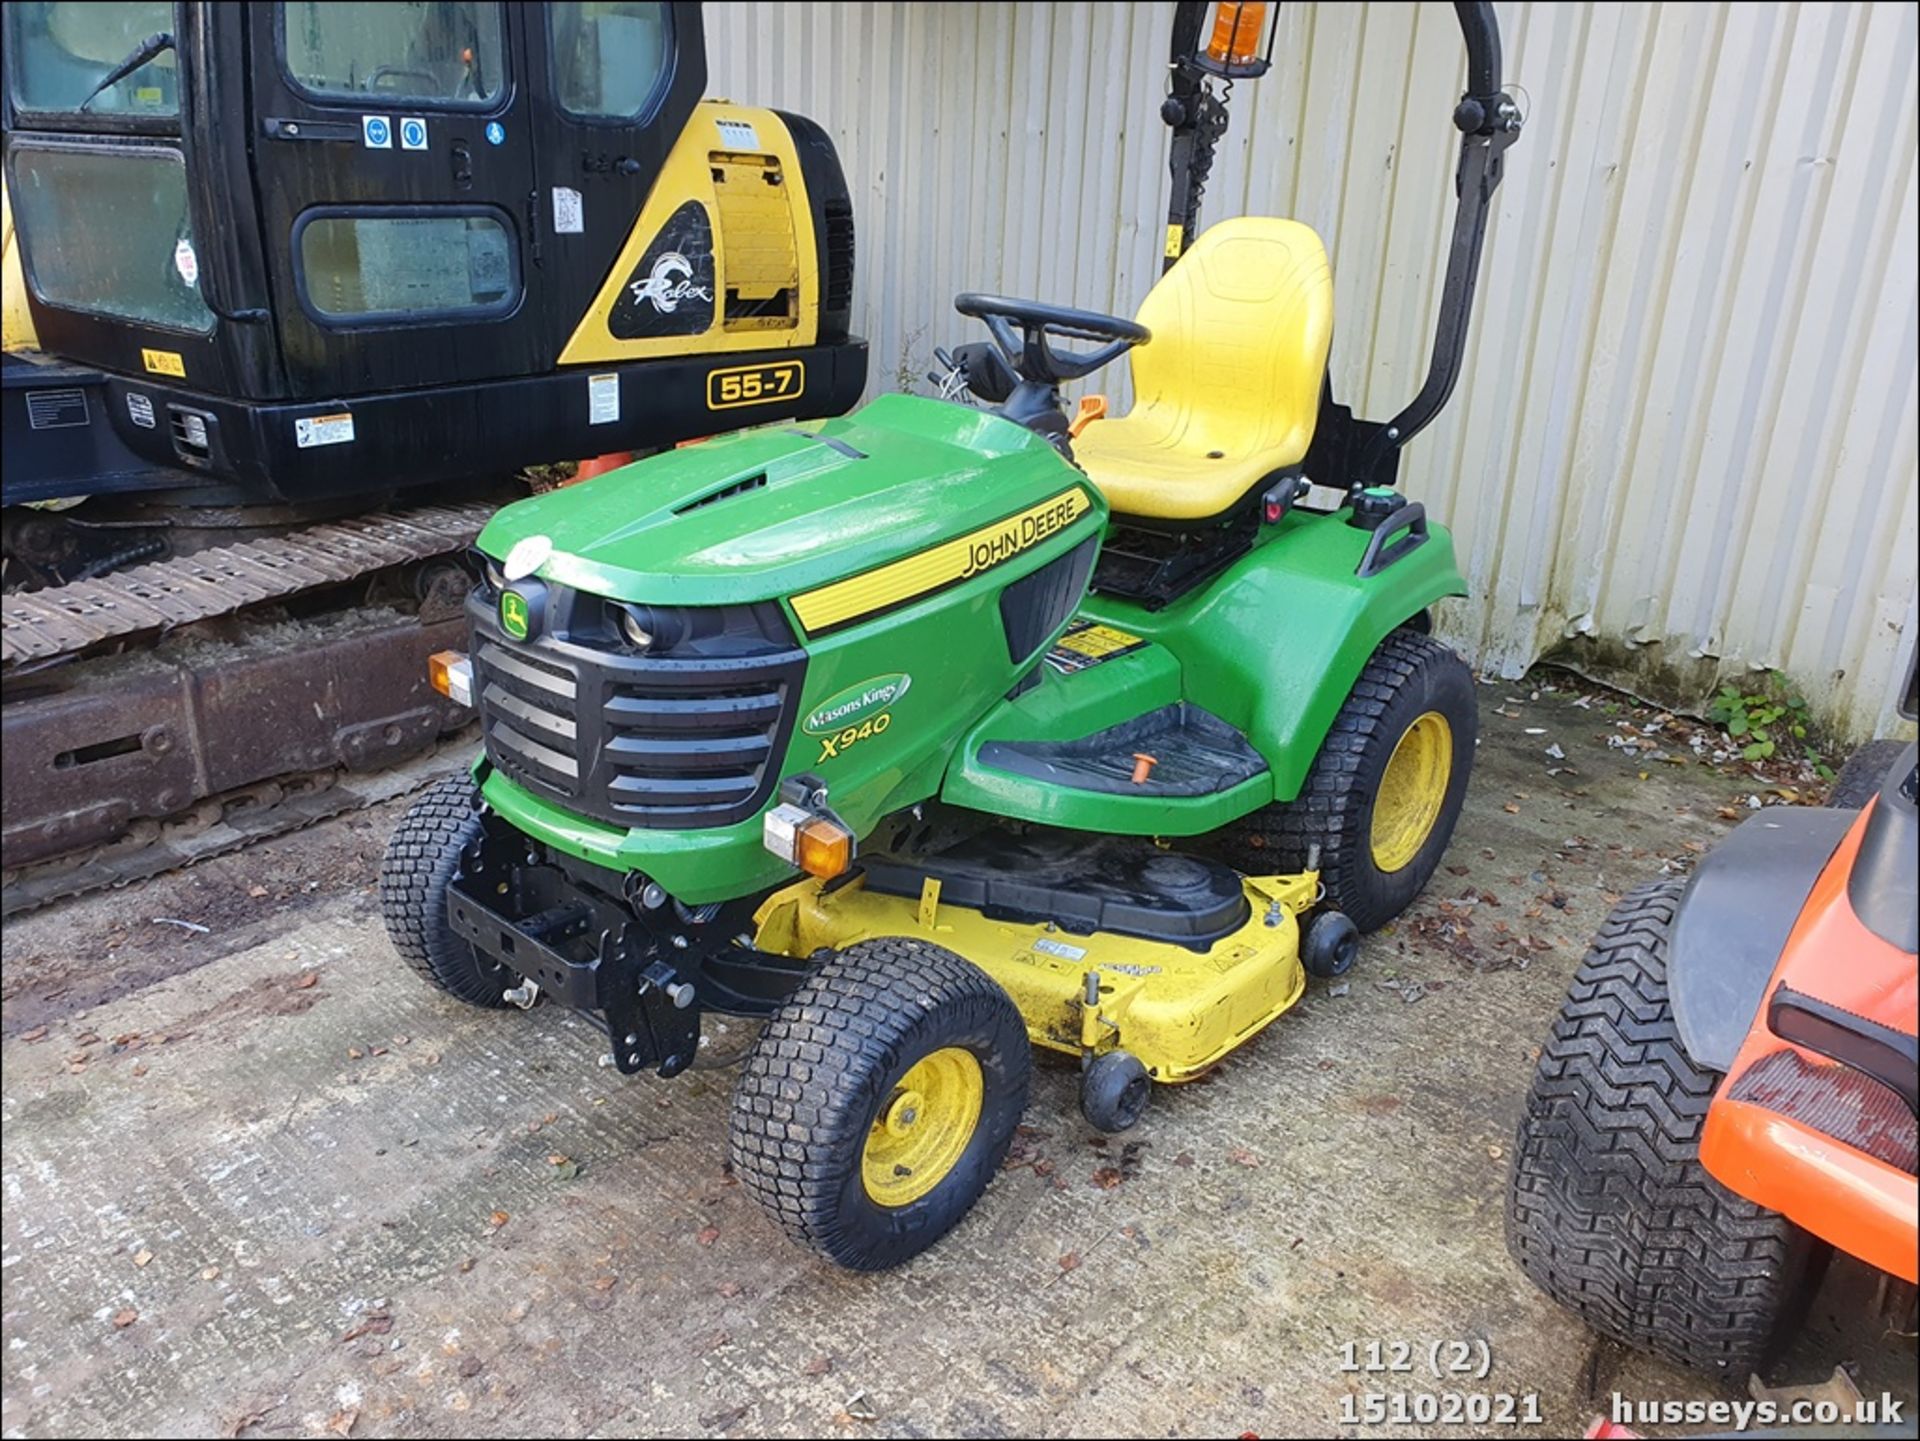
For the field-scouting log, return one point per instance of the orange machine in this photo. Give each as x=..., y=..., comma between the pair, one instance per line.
x=1816, y=1117
x=1730, y=1086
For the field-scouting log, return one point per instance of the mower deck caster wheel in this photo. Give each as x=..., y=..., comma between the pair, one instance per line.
x=1331, y=946
x=1113, y=1091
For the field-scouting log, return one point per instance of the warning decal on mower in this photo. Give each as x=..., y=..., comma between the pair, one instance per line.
x=946, y=564
x=1085, y=644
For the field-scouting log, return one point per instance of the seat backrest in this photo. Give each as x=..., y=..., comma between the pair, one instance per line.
x=1241, y=327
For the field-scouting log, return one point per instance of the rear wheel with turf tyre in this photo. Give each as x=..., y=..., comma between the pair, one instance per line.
x=1609, y=1210
x=1861, y=777
x=1384, y=792
x=880, y=1100
x=420, y=860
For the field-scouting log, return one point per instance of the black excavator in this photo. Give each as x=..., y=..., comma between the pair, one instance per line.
x=295, y=292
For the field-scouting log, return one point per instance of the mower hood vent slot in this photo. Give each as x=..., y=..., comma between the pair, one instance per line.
x=726, y=492
x=1037, y=605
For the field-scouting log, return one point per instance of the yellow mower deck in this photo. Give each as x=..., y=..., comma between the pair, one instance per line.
x=1179, y=1010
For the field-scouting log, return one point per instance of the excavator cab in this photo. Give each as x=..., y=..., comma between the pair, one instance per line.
x=284, y=253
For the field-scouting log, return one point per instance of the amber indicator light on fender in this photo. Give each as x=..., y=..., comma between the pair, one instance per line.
x=755, y=384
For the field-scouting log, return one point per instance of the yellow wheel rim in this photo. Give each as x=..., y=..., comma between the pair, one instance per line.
x=923, y=1127
x=1412, y=791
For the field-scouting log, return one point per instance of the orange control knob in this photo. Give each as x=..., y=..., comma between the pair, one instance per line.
x=1143, y=765
x=1092, y=408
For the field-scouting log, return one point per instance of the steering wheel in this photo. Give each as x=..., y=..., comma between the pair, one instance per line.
x=1021, y=329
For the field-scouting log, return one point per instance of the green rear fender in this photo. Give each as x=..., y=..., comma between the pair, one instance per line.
x=1272, y=647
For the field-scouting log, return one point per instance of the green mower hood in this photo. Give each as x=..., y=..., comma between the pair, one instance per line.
x=770, y=513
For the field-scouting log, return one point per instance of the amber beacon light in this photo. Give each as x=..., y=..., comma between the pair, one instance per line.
x=1241, y=42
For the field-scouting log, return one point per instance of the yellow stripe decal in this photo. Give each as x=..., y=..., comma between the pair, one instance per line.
x=945, y=564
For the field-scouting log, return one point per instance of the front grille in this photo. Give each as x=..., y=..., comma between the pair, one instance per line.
x=636, y=741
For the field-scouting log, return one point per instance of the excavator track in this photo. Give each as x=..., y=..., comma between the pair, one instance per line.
x=38, y=627
x=177, y=709
x=226, y=823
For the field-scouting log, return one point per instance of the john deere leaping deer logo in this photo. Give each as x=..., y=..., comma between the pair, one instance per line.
x=513, y=614
x=670, y=283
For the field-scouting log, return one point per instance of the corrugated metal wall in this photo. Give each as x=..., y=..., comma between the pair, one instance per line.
x=1687, y=428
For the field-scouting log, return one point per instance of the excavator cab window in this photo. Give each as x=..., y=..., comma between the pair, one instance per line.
x=60, y=51
x=107, y=206
x=611, y=58
x=424, y=52
x=369, y=267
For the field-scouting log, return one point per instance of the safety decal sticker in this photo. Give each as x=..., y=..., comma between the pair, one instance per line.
x=323, y=430
x=413, y=133
x=164, y=362
x=376, y=132
x=1085, y=644
x=603, y=398
x=57, y=409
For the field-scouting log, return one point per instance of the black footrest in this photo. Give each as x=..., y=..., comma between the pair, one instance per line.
x=1195, y=753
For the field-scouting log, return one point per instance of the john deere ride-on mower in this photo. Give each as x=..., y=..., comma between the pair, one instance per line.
x=940, y=730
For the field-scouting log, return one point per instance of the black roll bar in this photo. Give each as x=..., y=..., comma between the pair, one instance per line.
x=1347, y=452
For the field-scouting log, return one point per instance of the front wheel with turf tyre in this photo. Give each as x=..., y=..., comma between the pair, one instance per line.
x=1609, y=1210
x=1382, y=796
x=880, y=1100
x=420, y=860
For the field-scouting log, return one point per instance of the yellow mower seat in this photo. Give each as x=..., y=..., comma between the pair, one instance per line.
x=1228, y=389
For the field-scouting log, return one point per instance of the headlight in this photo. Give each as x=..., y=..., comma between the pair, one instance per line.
x=496, y=577
x=636, y=624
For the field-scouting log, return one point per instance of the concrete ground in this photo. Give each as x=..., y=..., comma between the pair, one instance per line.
x=259, y=1180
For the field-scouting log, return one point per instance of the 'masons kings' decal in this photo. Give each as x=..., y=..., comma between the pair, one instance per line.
x=838, y=711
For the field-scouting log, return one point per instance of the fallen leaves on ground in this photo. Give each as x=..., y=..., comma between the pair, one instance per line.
x=124, y=1318
x=1107, y=1177
x=374, y=1323
x=1070, y=1261
x=708, y=1235
x=1241, y=1156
